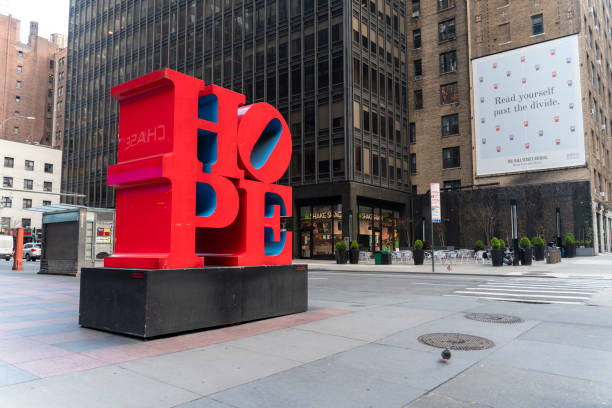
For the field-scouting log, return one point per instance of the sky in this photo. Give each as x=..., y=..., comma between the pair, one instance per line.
x=51, y=15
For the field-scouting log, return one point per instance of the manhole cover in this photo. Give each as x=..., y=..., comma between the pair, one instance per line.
x=493, y=318
x=456, y=341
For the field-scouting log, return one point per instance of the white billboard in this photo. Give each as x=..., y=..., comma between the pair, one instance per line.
x=528, y=108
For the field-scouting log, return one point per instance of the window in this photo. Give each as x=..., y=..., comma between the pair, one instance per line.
x=9, y=162
x=418, y=99
x=16, y=130
x=448, y=93
x=445, y=4
x=416, y=7
x=28, y=184
x=27, y=203
x=48, y=168
x=29, y=165
x=450, y=157
x=413, y=167
x=47, y=186
x=448, y=62
x=46, y=202
x=18, y=84
x=416, y=39
x=19, y=68
x=20, y=54
x=418, y=68
x=452, y=184
x=412, y=132
x=7, y=202
x=537, y=24
x=7, y=182
x=26, y=222
x=446, y=30
x=450, y=125
x=17, y=99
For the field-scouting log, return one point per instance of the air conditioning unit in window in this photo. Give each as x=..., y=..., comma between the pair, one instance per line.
x=596, y=27
x=603, y=126
x=593, y=112
x=416, y=13
x=590, y=10
x=599, y=61
x=602, y=194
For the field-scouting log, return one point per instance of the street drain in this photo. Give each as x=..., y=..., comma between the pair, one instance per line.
x=493, y=318
x=456, y=341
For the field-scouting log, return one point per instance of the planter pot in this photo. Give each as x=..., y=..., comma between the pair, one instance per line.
x=539, y=253
x=382, y=258
x=570, y=251
x=585, y=252
x=418, y=255
x=341, y=257
x=526, y=256
x=497, y=257
x=354, y=256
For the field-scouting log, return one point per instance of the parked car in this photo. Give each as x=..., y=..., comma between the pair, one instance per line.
x=6, y=247
x=32, y=251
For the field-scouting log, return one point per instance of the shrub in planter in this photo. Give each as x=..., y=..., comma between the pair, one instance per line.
x=538, y=247
x=341, y=253
x=502, y=244
x=526, y=251
x=569, y=245
x=354, y=252
x=497, y=253
x=418, y=254
x=479, y=245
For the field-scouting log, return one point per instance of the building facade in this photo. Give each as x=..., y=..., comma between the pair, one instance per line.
x=336, y=70
x=31, y=177
x=27, y=84
x=440, y=121
x=59, y=91
x=516, y=24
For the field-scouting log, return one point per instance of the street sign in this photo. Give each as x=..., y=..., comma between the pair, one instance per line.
x=434, y=188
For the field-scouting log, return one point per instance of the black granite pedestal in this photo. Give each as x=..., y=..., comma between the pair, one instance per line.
x=150, y=303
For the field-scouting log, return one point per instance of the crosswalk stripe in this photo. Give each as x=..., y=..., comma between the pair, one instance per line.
x=536, y=291
x=527, y=300
x=521, y=295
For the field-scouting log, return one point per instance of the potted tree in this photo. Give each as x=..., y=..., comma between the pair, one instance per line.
x=538, y=245
x=479, y=245
x=341, y=252
x=526, y=251
x=497, y=253
x=569, y=245
x=354, y=252
x=418, y=254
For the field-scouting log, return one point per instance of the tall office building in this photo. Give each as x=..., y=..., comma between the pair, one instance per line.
x=336, y=70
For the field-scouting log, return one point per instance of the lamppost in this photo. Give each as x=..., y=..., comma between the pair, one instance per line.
x=16, y=117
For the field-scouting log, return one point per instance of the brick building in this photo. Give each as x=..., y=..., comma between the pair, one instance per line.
x=26, y=83
x=444, y=150
x=440, y=125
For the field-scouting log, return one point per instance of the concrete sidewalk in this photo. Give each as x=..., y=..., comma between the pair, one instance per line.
x=338, y=354
x=598, y=266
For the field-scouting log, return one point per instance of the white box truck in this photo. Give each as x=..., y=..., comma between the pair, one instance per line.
x=6, y=247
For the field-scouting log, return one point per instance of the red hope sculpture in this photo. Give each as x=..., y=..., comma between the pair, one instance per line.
x=194, y=176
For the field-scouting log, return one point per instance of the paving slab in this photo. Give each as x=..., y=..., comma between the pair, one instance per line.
x=297, y=345
x=324, y=383
x=205, y=403
x=569, y=361
x=97, y=388
x=210, y=369
x=9, y=374
x=373, y=324
x=503, y=386
x=435, y=400
x=582, y=335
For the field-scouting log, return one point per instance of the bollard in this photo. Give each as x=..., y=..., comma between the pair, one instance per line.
x=18, y=258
